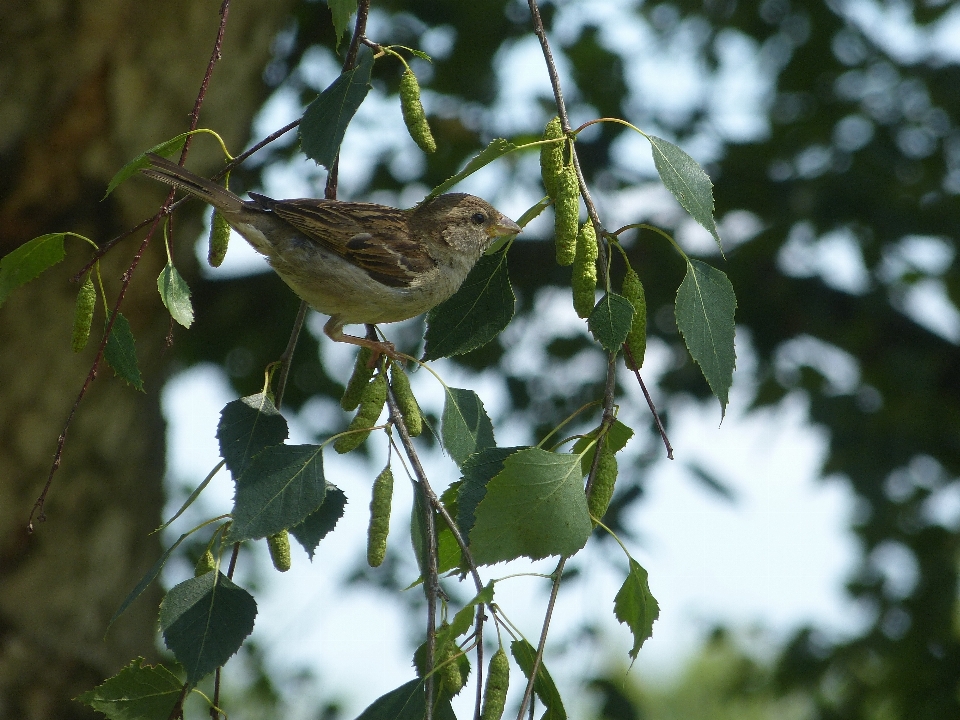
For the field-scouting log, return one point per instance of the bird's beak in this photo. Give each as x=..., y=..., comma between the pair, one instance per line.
x=503, y=226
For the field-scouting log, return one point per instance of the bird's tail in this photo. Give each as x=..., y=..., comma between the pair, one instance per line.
x=169, y=172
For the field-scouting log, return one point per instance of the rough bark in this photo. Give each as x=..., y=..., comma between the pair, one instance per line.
x=85, y=87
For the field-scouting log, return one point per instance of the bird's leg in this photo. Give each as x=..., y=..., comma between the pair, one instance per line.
x=334, y=330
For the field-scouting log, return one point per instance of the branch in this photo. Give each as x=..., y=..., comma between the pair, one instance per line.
x=653, y=408
x=128, y=275
x=610, y=387
x=431, y=581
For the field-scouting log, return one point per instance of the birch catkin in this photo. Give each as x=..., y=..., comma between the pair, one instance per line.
x=83, y=316
x=413, y=115
x=566, y=209
x=637, y=337
x=205, y=564
x=409, y=409
x=279, y=545
x=551, y=156
x=219, y=239
x=379, y=528
x=498, y=681
x=371, y=405
x=604, y=480
x=584, y=279
x=358, y=380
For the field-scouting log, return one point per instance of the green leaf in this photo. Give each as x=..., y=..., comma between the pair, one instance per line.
x=148, y=578
x=29, y=260
x=175, y=294
x=610, y=321
x=496, y=149
x=341, y=10
x=166, y=149
x=407, y=702
x=478, y=470
x=193, y=496
x=687, y=181
x=463, y=620
x=534, y=507
x=705, y=308
x=524, y=653
x=477, y=312
x=246, y=427
x=279, y=488
x=464, y=426
x=315, y=527
x=449, y=555
x=325, y=120
x=617, y=437
x=138, y=692
x=635, y=606
x=420, y=54
x=204, y=621
x=121, y=352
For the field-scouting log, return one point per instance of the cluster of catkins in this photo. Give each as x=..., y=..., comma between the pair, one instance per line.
x=577, y=244
x=367, y=394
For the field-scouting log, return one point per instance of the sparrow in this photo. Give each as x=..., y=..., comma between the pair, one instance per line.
x=357, y=262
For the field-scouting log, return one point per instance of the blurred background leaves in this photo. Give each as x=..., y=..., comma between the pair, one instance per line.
x=836, y=181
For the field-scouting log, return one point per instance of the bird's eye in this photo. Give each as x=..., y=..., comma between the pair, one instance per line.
x=479, y=218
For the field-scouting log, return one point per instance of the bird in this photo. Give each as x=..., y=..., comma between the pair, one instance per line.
x=358, y=263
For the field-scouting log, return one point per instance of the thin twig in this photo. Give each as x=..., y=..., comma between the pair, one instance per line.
x=632, y=363
x=286, y=359
x=37, y=510
x=610, y=387
x=166, y=210
x=434, y=502
x=177, y=711
x=205, y=83
x=537, y=660
x=431, y=580
x=127, y=277
x=359, y=30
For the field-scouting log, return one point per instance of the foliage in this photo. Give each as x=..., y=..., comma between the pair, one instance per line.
x=725, y=680
x=528, y=502
x=866, y=149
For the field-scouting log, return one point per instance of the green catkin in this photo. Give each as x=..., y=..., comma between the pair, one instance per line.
x=219, y=239
x=83, y=317
x=585, y=271
x=637, y=337
x=372, y=400
x=379, y=517
x=551, y=156
x=601, y=491
x=279, y=545
x=566, y=210
x=362, y=373
x=449, y=668
x=498, y=680
x=205, y=564
x=409, y=409
x=413, y=115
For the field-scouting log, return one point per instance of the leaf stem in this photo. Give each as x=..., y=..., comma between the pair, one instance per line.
x=653, y=408
x=566, y=420
x=286, y=359
x=659, y=231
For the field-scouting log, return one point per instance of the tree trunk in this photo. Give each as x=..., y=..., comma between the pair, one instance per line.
x=84, y=87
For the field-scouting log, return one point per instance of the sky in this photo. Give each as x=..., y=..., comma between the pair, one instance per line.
x=772, y=559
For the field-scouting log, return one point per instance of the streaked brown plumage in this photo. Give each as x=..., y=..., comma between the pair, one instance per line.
x=357, y=262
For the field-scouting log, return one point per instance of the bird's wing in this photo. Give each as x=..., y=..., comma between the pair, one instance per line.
x=373, y=237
